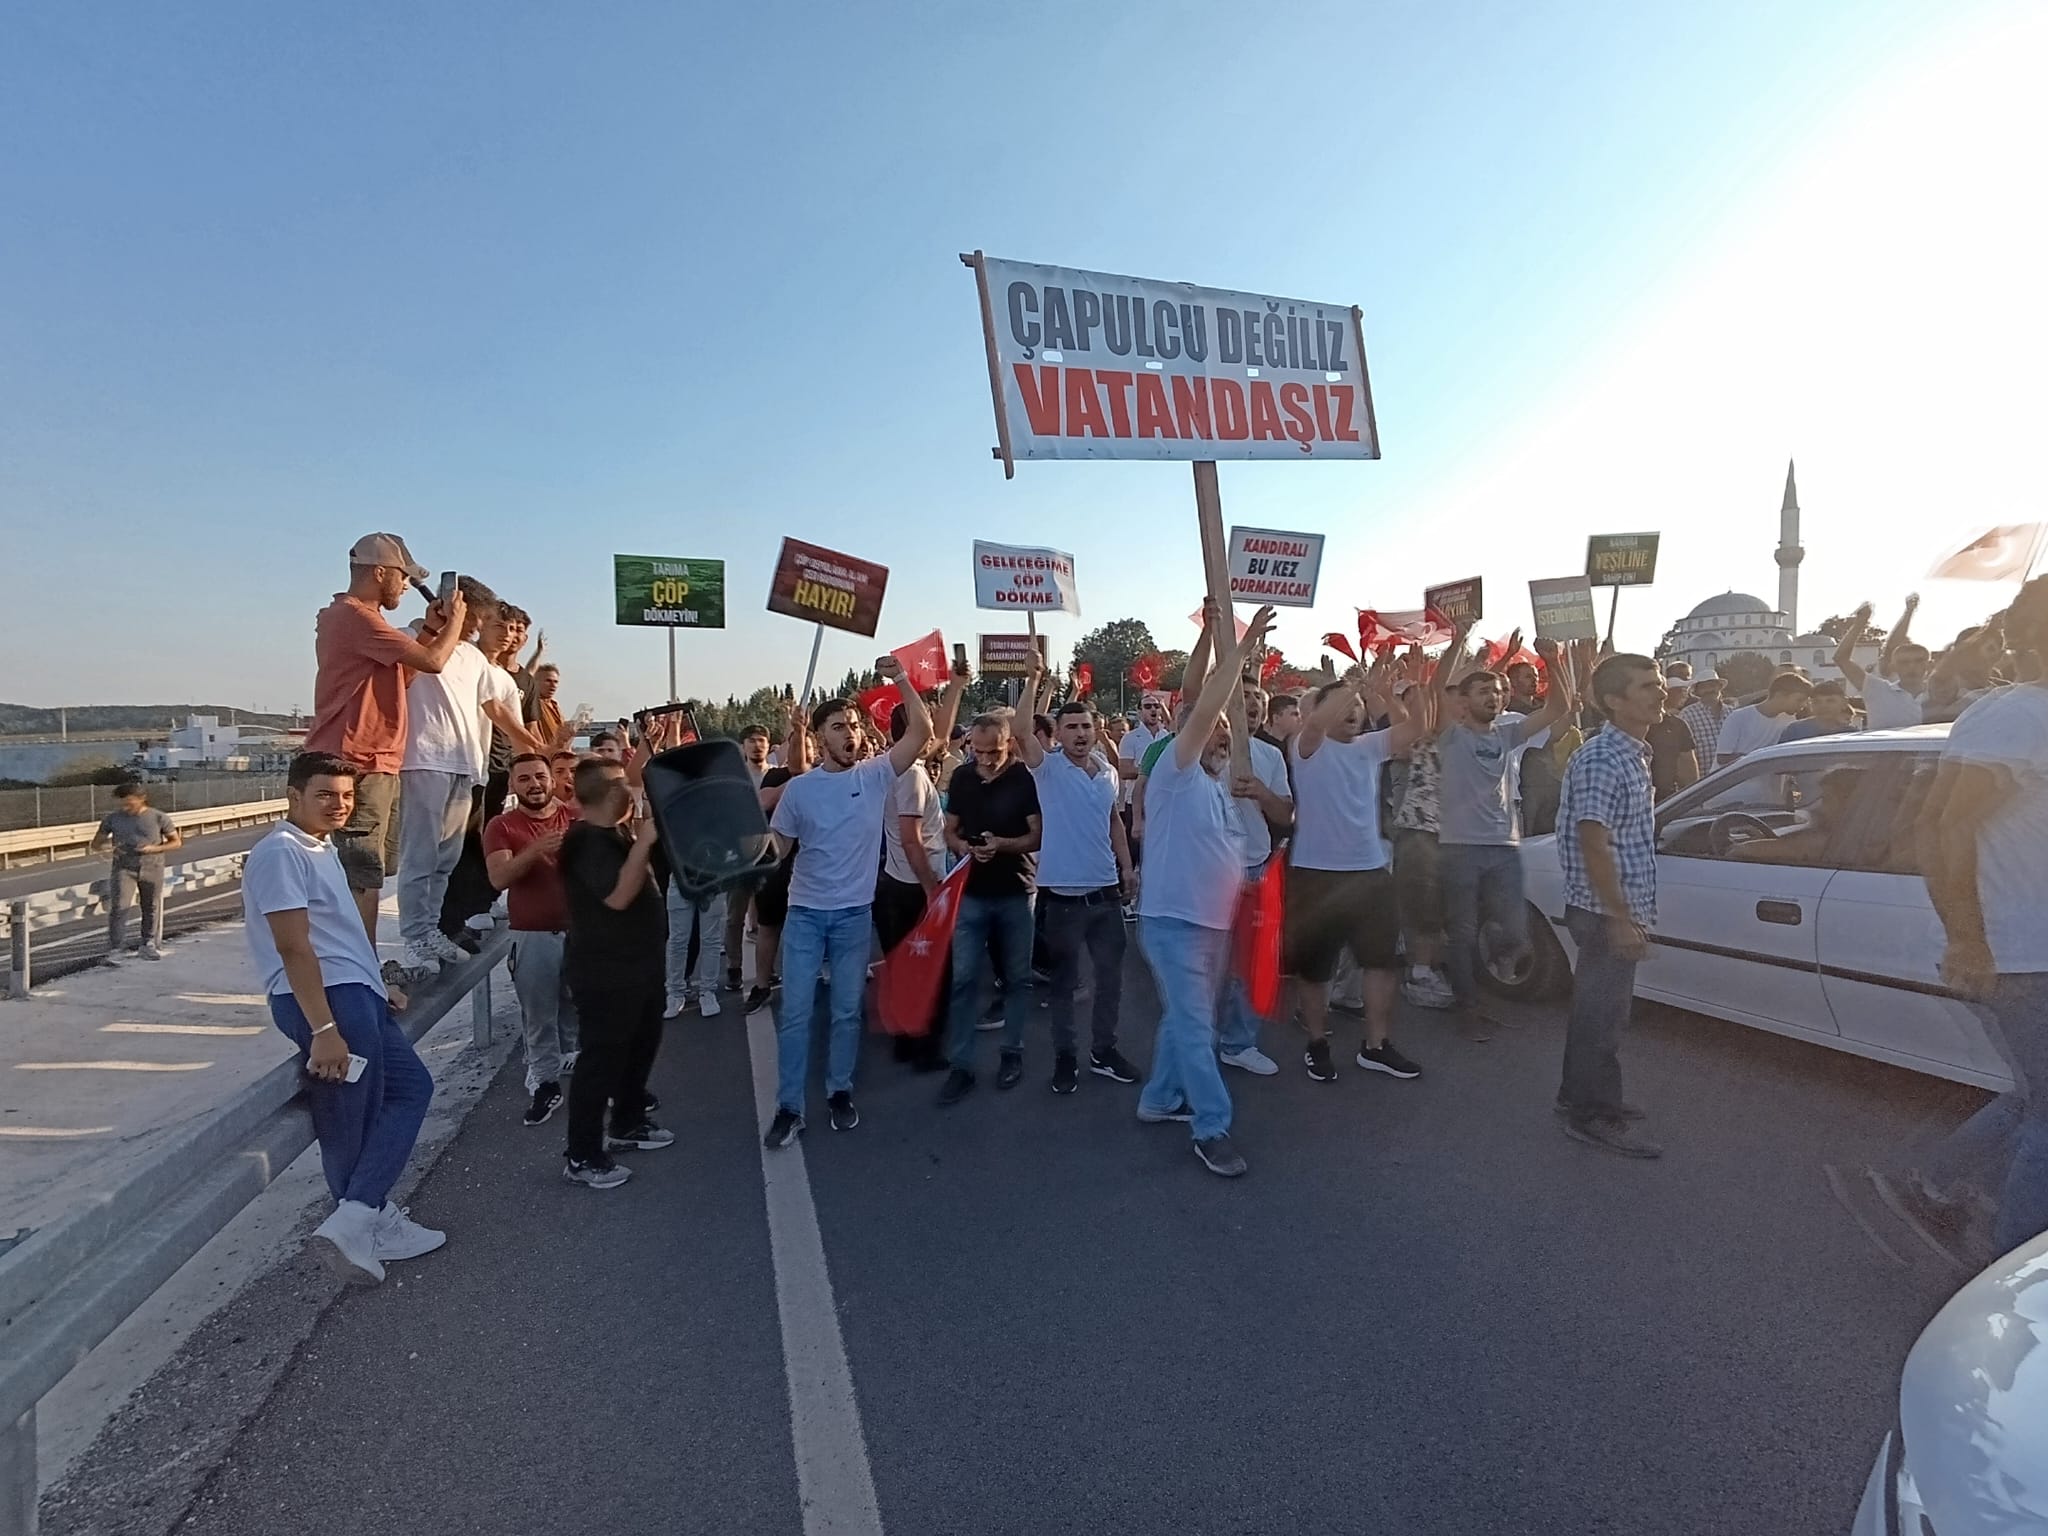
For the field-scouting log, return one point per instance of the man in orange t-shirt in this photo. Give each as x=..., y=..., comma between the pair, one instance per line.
x=362, y=666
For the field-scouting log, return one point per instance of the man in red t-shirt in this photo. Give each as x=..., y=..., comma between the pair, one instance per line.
x=521, y=848
x=362, y=666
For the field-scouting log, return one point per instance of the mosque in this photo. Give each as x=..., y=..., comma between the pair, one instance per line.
x=1735, y=621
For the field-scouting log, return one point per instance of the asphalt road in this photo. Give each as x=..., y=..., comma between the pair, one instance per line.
x=1424, y=1310
x=68, y=946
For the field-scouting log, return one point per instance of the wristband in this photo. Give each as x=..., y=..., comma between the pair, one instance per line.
x=330, y=1024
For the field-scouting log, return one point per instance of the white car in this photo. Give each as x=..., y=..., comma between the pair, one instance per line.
x=1789, y=897
x=1969, y=1454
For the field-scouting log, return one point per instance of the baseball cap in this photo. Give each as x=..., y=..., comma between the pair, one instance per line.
x=386, y=549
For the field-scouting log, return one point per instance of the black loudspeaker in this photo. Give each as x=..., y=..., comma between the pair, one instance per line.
x=709, y=816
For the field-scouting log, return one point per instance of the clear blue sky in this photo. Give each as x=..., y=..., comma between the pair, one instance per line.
x=531, y=284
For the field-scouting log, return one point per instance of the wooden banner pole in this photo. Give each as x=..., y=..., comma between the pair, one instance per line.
x=811, y=672
x=1216, y=566
x=672, y=698
x=1613, y=608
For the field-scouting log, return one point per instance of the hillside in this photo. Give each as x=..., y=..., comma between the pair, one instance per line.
x=143, y=719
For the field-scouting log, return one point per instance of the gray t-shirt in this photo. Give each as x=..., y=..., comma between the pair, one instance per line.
x=138, y=829
x=1475, y=793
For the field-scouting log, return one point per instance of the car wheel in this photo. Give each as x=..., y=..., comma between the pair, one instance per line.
x=1530, y=975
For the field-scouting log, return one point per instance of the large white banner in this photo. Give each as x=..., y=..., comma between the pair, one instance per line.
x=1024, y=580
x=1092, y=366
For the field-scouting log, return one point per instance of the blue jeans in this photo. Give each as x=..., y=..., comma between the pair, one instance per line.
x=2002, y=1150
x=808, y=936
x=1239, y=1030
x=366, y=1128
x=1006, y=920
x=1603, y=993
x=1189, y=963
x=1481, y=883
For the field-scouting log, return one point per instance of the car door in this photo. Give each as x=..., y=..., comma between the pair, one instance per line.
x=1881, y=944
x=1736, y=935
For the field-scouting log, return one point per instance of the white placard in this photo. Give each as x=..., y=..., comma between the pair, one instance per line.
x=1268, y=566
x=1095, y=366
x=1021, y=580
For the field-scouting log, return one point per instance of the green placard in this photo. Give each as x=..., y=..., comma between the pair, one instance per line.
x=669, y=593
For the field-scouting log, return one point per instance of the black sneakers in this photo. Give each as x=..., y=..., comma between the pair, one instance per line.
x=1066, y=1072
x=1111, y=1064
x=1317, y=1059
x=547, y=1098
x=957, y=1086
x=844, y=1116
x=1011, y=1072
x=734, y=982
x=1180, y=1114
x=1219, y=1156
x=1386, y=1059
x=599, y=1173
x=757, y=999
x=784, y=1129
x=644, y=1137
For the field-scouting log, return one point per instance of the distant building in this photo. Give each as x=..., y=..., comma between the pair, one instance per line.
x=203, y=742
x=1735, y=622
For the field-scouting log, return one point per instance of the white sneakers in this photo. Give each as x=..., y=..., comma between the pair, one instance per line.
x=1251, y=1059
x=420, y=961
x=1426, y=988
x=398, y=1236
x=445, y=949
x=349, y=1243
x=357, y=1240
x=707, y=1002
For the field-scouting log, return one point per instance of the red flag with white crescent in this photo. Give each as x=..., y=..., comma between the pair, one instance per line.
x=1084, y=679
x=2000, y=555
x=880, y=703
x=924, y=661
x=907, y=984
x=1260, y=916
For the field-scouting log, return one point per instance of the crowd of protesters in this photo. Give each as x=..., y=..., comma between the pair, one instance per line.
x=1395, y=796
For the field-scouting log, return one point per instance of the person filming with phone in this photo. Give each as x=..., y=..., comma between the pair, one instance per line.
x=365, y=1085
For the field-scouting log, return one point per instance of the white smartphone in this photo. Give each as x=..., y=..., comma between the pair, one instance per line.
x=356, y=1064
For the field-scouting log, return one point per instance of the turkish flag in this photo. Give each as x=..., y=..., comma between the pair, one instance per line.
x=1260, y=909
x=1242, y=626
x=1145, y=671
x=1270, y=666
x=907, y=985
x=1084, y=679
x=924, y=661
x=1340, y=644
x=2003, y=553
x=880, y=703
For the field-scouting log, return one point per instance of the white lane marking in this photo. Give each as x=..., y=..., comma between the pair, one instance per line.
x=835, y=1484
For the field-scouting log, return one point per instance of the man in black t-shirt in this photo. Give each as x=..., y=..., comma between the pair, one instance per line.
x=618, y=933
x=992, y=818
x=1674, y=756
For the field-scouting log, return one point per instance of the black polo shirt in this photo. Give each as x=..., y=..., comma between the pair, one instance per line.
x=1000, y=807
x=608, y=948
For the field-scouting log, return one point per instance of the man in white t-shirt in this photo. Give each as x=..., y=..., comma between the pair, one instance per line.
x=1893, y=694
x=1084, y=877
x=1340, y=891
x=1759, y=725
x=326, y=995
x=449, y=715
x=1186, y=905
x=1986, y=824
x=833, y=815
x=1261, y=807
x=1155, y=723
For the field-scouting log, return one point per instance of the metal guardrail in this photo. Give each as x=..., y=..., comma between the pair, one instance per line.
x=25, y=915
x=65, y=1288
x=46, y=845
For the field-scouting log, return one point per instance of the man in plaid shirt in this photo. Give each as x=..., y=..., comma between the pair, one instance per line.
x=1607, y=845
x=1704, y=717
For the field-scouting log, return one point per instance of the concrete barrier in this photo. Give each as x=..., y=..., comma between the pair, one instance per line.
x=46, y=845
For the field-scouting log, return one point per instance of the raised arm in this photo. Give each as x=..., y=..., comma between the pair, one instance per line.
x=1897, y=637
x=1194, y=735
x=1027, y=739
x=1845, y=649
x=432, y=655
x=1196, y=672
x=917, y=720
x=1560, y=700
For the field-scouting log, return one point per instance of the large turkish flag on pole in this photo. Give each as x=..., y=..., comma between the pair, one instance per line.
x=924, y=661
x=907, y=985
